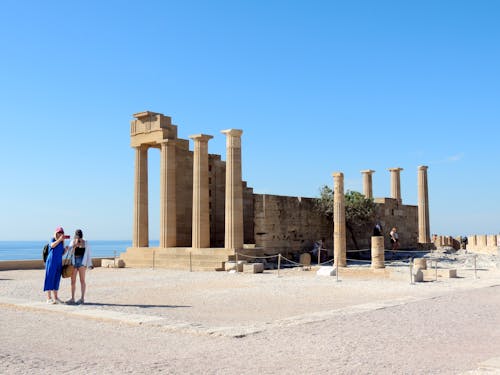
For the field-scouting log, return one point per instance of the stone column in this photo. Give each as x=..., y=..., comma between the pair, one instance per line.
x=378, y=252
x=234, y=191
x=424, y=232
x=168, y=199
x=339, y=234
x=201, y=214
x=367, y=183
x=396, y=184
x=141, y=229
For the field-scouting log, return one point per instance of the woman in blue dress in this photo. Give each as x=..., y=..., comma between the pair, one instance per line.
x=53, y=266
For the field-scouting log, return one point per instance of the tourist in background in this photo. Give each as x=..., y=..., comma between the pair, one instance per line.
x=394, y=238
x=377, y=229
x=53, y=266
x=81, y=260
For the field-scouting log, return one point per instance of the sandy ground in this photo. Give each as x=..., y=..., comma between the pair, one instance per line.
x=175, y=322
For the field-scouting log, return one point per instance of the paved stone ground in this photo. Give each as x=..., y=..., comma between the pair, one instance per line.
x=160, y=321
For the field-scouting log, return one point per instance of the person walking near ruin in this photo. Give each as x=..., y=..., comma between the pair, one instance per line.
x=394, y=238
x=53, y=266
x=81, y=260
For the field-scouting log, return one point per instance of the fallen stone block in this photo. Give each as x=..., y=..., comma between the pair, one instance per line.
x=253, y=268
x=112, y=263
x=326, y=271
x=418, y=276
x=445, y=273
x=228, y=266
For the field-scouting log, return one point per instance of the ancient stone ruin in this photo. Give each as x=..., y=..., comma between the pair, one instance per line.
x=208, y=213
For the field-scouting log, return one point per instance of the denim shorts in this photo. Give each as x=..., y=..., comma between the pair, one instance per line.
x=78, y=262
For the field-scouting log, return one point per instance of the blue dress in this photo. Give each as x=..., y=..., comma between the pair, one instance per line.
x=53, y=267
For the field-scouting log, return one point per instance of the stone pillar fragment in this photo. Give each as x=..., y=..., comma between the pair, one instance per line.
x=378, y=252
x=201, y=214
x=396, y=184
x=367, y=183
x=424, y=232
x=234, y=191
x=168, y=199
x=339, y=232
x=140, y=232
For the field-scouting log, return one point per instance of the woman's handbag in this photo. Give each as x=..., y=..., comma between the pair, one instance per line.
x=67, y=268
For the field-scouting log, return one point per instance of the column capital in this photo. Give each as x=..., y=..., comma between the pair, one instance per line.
x=395, y=169
x=368, y=171
x=168, y=142
x=233, y=132
x=337, y=174
x=422, y=167
x=201, y=137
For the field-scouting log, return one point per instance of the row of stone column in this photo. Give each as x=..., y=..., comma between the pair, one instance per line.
x=339, y=232
x=201, y=210
x=423, y=196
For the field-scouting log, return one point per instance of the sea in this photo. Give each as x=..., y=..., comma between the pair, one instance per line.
x=28, y=250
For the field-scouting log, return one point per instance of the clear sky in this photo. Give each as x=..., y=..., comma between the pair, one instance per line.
x=316, y=86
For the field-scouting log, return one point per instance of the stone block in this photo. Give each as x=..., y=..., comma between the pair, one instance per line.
x=420, y=263
x=305, y=259
x=418, y=276
x=229, y=266
x=326, y=271
x=446, y=273
x=253, y=267
x=112, y=263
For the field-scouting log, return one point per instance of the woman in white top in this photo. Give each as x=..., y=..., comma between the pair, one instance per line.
x=394, y=238
x=81, y=259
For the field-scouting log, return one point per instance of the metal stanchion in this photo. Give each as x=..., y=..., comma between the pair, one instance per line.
x=475, y=268
x=154, y=252
x=411, y=271
x=319, y=255
x=114, y=260
x=279, y=263
x=236, y=262
x=337, y=271
x=190, y=262
x=436, y=269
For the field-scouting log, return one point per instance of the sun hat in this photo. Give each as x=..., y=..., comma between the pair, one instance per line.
x=59, y=230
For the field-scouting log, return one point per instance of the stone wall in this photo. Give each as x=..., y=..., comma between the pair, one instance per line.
x=391, y=214
x=288, y=224
x=484, y=243
x=291, y=224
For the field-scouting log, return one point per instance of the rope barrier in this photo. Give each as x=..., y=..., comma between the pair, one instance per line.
x=256, y=257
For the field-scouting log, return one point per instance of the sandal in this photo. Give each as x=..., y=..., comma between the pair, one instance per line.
x=80, y=302
x=71, y=301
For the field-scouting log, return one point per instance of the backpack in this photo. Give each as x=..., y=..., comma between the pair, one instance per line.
x=45, y=252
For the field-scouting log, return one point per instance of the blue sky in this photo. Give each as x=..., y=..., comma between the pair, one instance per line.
x=316, y=86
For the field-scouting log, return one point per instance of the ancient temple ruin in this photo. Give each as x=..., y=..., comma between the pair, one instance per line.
x=208, y=213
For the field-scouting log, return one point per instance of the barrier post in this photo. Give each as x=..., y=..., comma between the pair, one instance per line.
x=279, y=263
x=411, y=271
x=236, y=262
x=114, y=259
x=436, y=269
x=154, y=259
x=475, y=269
x=319, y=255
x=337, y=271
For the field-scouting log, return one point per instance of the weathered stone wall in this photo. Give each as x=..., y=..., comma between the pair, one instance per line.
x=484, y=243
x=391, y=214
x=288, y=224
x=291, y=224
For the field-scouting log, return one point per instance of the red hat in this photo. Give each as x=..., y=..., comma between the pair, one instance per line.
x=59, y=230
